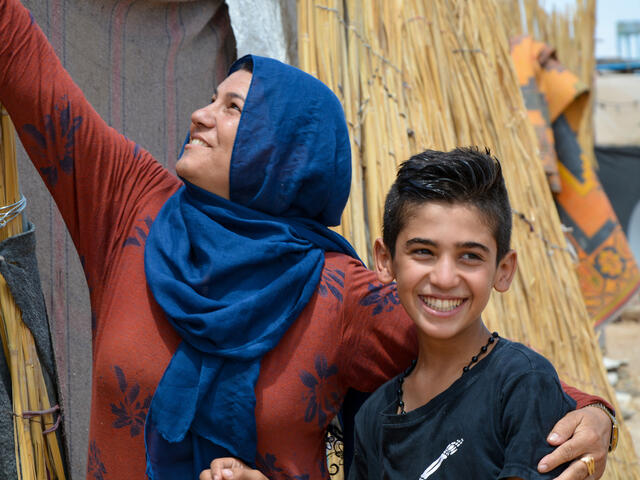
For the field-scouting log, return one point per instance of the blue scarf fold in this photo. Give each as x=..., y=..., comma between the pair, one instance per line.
x=233, y=275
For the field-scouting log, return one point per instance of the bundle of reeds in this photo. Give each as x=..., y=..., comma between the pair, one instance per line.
x=38, y=455
x=416, y=74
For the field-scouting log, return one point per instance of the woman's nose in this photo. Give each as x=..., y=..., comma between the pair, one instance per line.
x=204, y=116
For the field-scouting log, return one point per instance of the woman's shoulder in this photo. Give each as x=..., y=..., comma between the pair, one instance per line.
x=342, y=260
x=358, y=281
x=350, y=274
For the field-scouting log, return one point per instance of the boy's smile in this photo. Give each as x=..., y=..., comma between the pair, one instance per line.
x=445, y=267
x=442, y=304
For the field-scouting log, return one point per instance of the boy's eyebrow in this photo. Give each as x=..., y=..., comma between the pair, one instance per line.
x=427, y=241
x=473, y=245
x=424, y=241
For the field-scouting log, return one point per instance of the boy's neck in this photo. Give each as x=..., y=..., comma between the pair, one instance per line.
x=440, y=363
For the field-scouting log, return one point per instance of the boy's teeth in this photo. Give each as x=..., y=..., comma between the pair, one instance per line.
x=197, y=141
x=442, y=305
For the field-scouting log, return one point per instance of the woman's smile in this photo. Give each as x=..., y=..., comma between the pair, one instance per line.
x=206, y=161
x=198, y=142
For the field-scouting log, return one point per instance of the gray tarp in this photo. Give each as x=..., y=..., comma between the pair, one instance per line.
x=144, y=65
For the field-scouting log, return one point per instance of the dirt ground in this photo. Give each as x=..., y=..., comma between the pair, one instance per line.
x=622, y=340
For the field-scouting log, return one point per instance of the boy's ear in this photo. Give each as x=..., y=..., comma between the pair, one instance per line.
x=383, y=262
x=505, y=271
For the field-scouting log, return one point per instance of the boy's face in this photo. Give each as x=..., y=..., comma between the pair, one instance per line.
x=445, y=267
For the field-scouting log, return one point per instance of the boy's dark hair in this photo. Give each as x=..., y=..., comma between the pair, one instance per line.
x=463, y=175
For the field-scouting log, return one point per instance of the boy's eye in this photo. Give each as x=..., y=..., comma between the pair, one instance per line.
x=422, y=252
x=471, y=256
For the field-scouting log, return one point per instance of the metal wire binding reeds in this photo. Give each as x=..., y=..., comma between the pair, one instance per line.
x=416, y=74
x=38, y=455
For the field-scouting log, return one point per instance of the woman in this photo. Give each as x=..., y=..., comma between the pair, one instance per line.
x=229, y=321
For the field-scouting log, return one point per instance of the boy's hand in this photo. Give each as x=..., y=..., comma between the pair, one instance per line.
x=230, y=468
x=579, y=433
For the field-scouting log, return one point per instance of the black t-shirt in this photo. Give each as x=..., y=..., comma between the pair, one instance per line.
x=491, y=423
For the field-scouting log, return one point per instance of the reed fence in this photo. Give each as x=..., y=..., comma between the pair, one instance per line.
x=417, y=74
x=38, y=454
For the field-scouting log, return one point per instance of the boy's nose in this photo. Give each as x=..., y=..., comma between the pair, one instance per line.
x=444, y=274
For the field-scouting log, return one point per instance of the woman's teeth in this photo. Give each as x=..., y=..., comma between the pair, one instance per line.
x=197, y=141
x=442, y=305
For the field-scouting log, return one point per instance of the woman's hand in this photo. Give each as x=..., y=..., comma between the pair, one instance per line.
x=579, y=433
x=230, y=468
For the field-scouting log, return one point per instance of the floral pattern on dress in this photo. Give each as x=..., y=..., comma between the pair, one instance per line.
x=332, y=281
x=130, y=412
x=267, y=465
x=384, y=297
x=141, y=232
x=95, y=467
x=58, y=128
x=319, y=405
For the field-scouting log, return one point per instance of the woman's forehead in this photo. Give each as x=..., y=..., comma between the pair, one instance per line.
x=235, y=85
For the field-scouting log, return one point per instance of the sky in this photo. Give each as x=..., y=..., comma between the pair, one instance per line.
x=608, y=13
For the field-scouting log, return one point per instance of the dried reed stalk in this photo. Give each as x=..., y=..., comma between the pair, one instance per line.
x=38, y=455
x=416, y=74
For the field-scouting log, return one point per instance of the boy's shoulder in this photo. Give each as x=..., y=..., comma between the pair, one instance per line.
x=516, y=355
x=513, y=361
x=381, y=400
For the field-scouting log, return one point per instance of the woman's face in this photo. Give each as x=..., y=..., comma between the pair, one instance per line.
x=207, y=157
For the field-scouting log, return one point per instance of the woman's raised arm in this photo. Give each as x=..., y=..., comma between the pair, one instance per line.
x=96, y=176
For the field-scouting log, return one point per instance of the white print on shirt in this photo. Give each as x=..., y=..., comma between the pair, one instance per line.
x=450, y=450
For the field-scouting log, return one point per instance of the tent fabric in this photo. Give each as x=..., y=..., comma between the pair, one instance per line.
x=617, y=109
x=145, y=66
x=607, y=270
x=18, y=266
x=267, y=28
x=619, y=171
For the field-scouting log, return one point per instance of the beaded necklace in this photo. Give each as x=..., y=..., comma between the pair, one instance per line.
x=465, y=369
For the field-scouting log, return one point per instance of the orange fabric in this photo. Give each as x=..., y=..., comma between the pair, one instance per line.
x=556, y=100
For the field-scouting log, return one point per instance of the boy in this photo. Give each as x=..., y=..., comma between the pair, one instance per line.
x=472, y=405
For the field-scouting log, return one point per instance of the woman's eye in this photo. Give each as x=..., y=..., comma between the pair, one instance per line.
x=235, y=106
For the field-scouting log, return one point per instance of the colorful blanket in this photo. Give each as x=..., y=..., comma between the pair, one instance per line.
x=556, y=99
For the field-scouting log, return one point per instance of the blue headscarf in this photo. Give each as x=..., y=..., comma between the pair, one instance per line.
x=232, y=276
